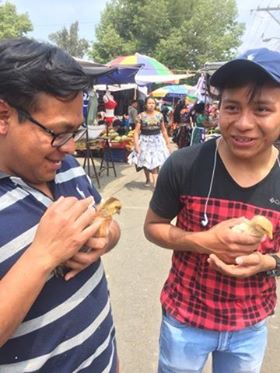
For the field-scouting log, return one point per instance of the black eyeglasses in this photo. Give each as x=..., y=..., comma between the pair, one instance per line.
x=58, y=139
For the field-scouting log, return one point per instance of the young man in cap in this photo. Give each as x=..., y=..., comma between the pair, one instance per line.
x=221, y=287
x=49, y=323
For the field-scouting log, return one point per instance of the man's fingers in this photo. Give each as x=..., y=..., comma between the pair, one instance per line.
x=214, y=260
x=244, y=267
x=71, y=274
x=248, y=260
x=87, y=219
x=69, y=208
x=83, y=259
x=243, y=240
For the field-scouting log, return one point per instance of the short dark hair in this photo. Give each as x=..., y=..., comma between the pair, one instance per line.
x=29, y=67
x=245, y=77
x=255, y=82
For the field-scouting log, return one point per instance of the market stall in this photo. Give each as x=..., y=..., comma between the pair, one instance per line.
x=119, y=146
x=92, y=144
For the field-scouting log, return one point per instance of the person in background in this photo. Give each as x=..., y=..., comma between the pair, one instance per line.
x=124, y=126
x=201, y=123
x=151, y=142
x=118, y=126
x=165, y=111
x=221, y=288
x=183, y=121
x=100, y=119
x=213, y=122
x=132, y=114
x=48, y=220
x=141, y=105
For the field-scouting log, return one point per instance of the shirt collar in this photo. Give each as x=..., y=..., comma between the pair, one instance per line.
x=3, y=175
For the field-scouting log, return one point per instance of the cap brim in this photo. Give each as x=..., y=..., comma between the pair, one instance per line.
x=239, y=67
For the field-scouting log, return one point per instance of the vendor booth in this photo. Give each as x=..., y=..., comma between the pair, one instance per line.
x=98, y=140
x=110, y=95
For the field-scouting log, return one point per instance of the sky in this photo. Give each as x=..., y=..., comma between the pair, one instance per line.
x=260, y=25
x=51, y=15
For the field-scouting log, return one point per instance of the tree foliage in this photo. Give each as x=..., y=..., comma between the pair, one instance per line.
x=13, y=24
x=182, y=34
x=70, y=41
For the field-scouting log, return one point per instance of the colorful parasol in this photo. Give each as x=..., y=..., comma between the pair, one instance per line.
x=152, y=71
x=175, y=91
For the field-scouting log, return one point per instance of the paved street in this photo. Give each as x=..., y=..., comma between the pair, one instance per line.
x=136, y=270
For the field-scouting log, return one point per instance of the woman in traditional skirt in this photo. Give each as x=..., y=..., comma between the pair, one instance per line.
x=151, y=142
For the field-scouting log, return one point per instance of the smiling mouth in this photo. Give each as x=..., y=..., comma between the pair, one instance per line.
x=243, y=139
x=55, y=162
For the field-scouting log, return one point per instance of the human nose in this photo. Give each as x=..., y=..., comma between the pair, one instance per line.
x=245, y=120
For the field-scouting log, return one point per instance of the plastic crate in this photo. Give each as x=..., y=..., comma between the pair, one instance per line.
x=115, y=155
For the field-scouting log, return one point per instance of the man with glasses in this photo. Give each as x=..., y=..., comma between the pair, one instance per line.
x=47, y=219
x=58, y=139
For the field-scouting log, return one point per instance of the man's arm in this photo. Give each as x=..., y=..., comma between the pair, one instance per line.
x=63, y=230
x=164, y=134
x=19, y=289
x=220, y=239
x=137, y=131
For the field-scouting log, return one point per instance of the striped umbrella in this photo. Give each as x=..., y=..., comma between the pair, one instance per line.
x=175, y=91
x=151, y=70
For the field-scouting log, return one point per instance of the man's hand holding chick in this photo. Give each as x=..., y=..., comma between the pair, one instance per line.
x=105, y=237
x=247, y=265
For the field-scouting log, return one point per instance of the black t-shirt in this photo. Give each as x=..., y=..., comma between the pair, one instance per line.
x=187, y=173
x=194, y=293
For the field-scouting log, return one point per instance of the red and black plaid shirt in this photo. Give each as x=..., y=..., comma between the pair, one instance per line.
x=194, y=293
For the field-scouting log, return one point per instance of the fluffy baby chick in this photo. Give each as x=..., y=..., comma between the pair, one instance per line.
x=258, y=226
x=106, y=210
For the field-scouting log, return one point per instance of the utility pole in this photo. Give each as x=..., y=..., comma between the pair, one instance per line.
x=269, y=10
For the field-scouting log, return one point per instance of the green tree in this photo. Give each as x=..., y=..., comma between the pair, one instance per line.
x=211, y=34
x=182, y=34
x=70, y=41
x=13, y=24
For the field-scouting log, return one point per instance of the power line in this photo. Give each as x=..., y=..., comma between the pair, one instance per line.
x=254, y=27
x=269, y=10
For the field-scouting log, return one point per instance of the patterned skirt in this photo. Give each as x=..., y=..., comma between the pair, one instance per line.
x=153, y=152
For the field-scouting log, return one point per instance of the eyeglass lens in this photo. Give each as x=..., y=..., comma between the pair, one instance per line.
x=65, y=137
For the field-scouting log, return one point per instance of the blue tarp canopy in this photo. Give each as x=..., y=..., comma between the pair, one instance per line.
x=101, y=74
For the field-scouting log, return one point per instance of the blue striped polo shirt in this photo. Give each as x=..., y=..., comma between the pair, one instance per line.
x=69, y=328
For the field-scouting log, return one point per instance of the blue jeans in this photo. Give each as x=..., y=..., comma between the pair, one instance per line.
x=184, y=349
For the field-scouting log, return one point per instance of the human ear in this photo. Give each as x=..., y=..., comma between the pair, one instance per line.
x=5, y=113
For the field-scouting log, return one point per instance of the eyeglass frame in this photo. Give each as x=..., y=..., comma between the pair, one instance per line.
x=79, y=132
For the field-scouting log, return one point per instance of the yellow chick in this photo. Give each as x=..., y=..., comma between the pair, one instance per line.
x=106, y=210
x=258, y=226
